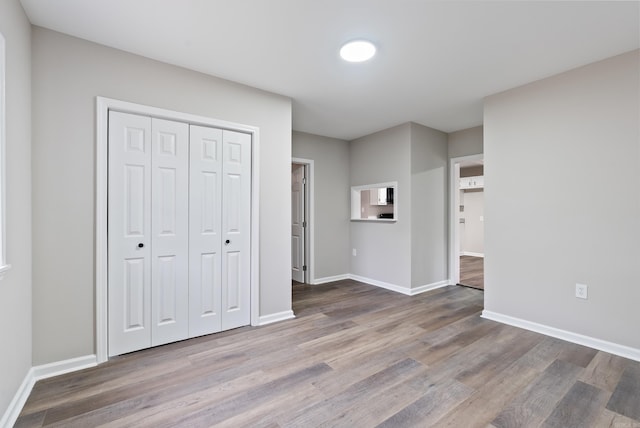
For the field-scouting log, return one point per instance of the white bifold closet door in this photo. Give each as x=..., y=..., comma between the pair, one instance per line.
x=178, y=231
x=220, y=230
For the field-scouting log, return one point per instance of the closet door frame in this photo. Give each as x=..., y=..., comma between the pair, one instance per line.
x=103, y=106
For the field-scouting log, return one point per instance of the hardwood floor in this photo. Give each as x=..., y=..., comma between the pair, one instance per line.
x=355, y=356
x=472, y=271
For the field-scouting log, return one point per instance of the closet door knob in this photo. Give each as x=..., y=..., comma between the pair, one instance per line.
x=140, y=245
x=227, y=242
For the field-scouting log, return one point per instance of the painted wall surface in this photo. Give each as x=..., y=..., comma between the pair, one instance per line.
x=383, y=249
x=68, y=74
x=15, y=287
x=332, y=199
x=429, y=213
x=576, y=137
x=466, y=142
x=472, y=231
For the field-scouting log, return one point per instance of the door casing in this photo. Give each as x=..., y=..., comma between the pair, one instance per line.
x=454, y=215
x=103, y=105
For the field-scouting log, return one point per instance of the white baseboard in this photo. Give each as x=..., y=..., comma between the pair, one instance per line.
x=429, y=287
x=326, y=279
x=15, y=407
x=591, y=342
x=61, y=367
x=38, y=373
x=279, y=316
x=398, y=289
x=472, y=254
x=381, y=284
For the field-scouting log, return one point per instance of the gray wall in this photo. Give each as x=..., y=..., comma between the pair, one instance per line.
x=411, y=252
x=429, y=213
x=567, y=211
x=466, y=142
x=68, y=74
x=331, y=187
x=384, y=249
x=15, y=288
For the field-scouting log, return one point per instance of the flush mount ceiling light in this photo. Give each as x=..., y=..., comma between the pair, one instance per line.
x=357, y=51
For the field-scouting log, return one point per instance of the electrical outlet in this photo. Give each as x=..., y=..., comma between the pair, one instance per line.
x=354, y=252
x=582, y=291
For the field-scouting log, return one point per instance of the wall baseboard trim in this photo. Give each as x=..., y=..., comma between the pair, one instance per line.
x=66, y=366
x=591, y=342
x=429, y=287
x=334, y=278
x=279, y=316
x=393, y=287
x=472, y=254
x=386, y=285
x=37, y=373
x=15, y=407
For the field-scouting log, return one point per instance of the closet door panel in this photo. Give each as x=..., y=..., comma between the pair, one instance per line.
x=205, y=212
x=236, y=229
x=170, y=231
x=129, y=238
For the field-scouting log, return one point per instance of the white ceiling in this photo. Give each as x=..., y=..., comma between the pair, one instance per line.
x=436, y=60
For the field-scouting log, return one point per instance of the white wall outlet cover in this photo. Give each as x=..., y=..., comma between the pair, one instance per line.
x=354, y=252
x=582, y=291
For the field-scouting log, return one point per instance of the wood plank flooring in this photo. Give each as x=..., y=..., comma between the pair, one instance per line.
x=355, y=356
x=472, y=271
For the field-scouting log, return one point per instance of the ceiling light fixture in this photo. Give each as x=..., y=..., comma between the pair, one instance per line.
x=357, y=51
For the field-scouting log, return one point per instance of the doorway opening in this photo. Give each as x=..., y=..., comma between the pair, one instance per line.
x=302, y=221
x=466, y=262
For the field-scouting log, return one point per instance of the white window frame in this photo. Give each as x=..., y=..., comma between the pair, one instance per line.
x=4, y=266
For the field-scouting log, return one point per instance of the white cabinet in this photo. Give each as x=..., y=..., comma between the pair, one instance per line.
x=476, y=182
x=378, y=196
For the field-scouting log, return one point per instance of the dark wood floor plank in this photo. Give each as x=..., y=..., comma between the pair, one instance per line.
x=218, y=411
x=609, y=419
x=536, y=402
x=626, y=397
x=604, y=371
x=31, y=420
x=389, y=402
x=488, y=401
x=472, y=271
x=497, y=359
x=436, y=401
x=357, y=370
x=578, y=408
x=578, y=355
x=430, y=353
x=468, y=361
x=450, y=315
x=399, y=336
x=358, y=393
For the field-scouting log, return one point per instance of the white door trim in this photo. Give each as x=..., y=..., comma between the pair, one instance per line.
x=454, y=215
x=103, y=105
x=310, y=275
